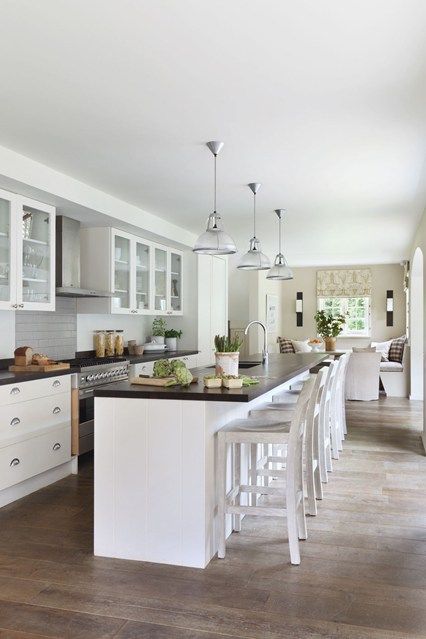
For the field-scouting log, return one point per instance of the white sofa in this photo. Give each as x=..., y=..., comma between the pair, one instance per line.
x=395, y=376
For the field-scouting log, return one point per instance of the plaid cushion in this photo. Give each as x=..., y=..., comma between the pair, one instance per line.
x=396, y=350
x=286, y=345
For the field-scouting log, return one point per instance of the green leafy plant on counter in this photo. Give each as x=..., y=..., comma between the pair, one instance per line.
x=171, y=332
x=175, y=369
x=329, y=325
x=225, y=344
x=159, y=327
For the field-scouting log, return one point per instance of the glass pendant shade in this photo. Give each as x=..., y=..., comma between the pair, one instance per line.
x=214, y=240
x=254, y=259
x=280, y=270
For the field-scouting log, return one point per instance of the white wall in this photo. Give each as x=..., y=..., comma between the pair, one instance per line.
x=254, y=287
x=7, y=340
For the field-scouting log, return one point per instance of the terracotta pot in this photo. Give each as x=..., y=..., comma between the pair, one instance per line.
x=227, y=363
x=330, y=343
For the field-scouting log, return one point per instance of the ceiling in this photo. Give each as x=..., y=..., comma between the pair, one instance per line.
x=322, y=102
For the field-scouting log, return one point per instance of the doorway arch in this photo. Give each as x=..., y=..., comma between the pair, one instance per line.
x=416, y=325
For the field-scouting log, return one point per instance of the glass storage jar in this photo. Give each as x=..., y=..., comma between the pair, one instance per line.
x=119, y=343
x=109, y=344
x=99, y=343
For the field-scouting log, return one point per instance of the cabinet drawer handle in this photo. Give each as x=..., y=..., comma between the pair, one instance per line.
x=56, y=410
x=15, y=391
x=14, y=462
x=56, y=383
x=56, y=446
x=15, y=421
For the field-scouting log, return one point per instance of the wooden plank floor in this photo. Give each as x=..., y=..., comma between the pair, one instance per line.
x=363, y=571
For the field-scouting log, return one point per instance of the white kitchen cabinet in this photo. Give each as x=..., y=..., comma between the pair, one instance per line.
x=145, y=277
x=35, y=430
x=212, y=304
x=27, y=254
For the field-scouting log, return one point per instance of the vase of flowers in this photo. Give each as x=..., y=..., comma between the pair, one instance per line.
x=329, y=327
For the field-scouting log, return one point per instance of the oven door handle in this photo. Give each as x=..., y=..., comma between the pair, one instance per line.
x=85, y=392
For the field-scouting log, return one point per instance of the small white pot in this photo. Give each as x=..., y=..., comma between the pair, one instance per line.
x=227, y=363
x=158, y=339
x=171, y=343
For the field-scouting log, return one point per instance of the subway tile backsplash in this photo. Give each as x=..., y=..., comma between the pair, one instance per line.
x=53, y=333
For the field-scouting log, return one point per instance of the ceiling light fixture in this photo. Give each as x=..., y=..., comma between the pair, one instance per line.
x=280, y=270
x=254, y=259
x=214, y=241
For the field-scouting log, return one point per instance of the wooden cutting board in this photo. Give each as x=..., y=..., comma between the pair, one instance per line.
x=155, y=381
x=39, y=368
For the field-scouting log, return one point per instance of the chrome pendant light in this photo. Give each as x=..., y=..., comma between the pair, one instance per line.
x=214, y=241
x=280, y=270
x=254, y=259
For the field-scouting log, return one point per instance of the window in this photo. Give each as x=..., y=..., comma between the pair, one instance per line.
x=356, y=309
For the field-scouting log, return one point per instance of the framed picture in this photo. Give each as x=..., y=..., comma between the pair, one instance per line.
x=272, y=313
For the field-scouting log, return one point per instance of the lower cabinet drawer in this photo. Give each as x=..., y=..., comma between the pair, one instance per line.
x=33, y=456
x=18, y=421
x=24, y=391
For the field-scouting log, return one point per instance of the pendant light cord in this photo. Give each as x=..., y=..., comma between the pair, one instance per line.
x=215, y=179
x=280, y=234
x=254, y=214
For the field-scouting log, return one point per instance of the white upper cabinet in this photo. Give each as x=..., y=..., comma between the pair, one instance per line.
x=144, y=277
x=27, y=254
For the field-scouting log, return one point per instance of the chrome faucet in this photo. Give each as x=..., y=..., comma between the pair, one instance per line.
x=265, y=339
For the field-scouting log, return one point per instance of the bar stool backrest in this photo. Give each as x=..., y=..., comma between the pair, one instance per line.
x=296, y=437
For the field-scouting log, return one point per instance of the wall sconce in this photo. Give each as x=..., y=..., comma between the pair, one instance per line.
x=299, y=308
x=389, y=308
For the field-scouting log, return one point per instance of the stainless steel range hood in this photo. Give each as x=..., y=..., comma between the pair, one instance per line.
x=68, y=261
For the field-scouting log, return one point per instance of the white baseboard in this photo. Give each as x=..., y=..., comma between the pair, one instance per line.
x=35, y=483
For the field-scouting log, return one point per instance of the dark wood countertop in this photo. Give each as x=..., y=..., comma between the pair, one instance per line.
x=280, y=369
x=153, y=357
x=8, y=377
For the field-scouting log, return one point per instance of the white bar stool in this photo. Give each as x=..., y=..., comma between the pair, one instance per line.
x=260, y=431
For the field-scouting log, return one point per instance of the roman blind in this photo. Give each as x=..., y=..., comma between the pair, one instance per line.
x=344, y=283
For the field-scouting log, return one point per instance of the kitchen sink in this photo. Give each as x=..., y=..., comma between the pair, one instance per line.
x=248, y=364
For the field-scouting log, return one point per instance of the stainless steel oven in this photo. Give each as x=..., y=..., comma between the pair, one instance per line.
x=94, y=373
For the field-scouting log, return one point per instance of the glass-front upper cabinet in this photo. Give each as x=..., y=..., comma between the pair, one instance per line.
x=8, y=217
x=143, y=276
x=36, y=264
x=122, y=261
x=160, y=279
x=175, y=281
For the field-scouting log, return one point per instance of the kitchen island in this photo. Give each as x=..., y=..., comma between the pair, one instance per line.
x=155, y=452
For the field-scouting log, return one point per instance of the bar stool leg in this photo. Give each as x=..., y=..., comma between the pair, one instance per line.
x=236, y=525
x=253, y=475
x=221, y=465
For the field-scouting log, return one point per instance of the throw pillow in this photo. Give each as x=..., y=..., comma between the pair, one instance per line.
x=383, y=348
x=301, y=346
x=396, y=350
x=367, y=349
x=286, y=345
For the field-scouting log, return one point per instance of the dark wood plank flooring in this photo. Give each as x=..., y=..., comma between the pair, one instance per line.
x=363, y=571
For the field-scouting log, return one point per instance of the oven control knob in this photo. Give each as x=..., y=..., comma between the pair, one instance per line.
x=90, y=378
x=96, y=376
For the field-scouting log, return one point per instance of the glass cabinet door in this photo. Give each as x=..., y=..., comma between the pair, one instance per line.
x=175, y=281
x=7, y=253
x=37, y=267
x=143, y=275
x=160, y=280
x=121, y=302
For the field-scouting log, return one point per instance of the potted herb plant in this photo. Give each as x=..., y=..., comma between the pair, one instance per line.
x=227, y=355
x=172, y=337
x=158, y=330
x=329, y=327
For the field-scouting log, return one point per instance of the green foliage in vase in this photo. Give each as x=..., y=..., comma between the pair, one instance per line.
x=224, y=344
x=159, y=327
x=329, y=325
x=171, y=332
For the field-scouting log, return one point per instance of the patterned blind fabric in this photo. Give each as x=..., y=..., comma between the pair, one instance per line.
x=344, y=283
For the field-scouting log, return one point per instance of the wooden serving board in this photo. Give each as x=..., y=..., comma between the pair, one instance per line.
x=155, y=381
x=39, y=368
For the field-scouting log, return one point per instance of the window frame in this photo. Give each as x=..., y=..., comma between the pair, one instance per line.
x=344, y=308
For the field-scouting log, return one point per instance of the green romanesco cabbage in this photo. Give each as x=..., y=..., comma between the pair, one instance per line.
x=175, y=364
x=183, y=376
x=162, y=368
